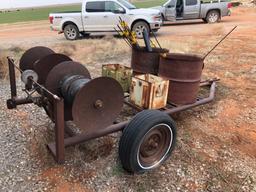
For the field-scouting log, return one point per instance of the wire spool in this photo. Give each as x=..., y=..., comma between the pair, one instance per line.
x=58, y=74
x=91, y=104
x=32, y=55
x=70, y=85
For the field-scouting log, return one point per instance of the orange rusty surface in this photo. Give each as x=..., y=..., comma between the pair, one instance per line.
x=149, y=91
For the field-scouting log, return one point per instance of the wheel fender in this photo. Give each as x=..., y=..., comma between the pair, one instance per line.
x=214, y=9
x=138, y=20
x=67, y=21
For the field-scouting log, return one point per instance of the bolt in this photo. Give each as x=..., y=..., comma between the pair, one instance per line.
x=98, y=104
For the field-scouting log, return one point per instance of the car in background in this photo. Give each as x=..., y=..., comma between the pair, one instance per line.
x=104, y=16
x=211, y=11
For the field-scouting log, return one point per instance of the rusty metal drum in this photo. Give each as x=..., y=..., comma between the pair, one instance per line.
x=184, y=73
x=146, y=62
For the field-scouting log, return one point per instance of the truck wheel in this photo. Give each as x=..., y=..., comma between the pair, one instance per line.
x=71, y=32
x=138, y=28
x=213, y=16
x=147, y=141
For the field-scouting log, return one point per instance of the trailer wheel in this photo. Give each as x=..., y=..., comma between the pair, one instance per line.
x=213, y=16
x=71, y=32
x=147, y=141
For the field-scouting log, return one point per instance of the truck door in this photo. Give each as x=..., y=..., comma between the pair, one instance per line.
x=170, y=10
x=112, y=13
x=94, y=16
x=191, y=9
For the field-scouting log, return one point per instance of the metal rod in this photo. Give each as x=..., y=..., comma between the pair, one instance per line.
x=220, y=41
x=200, y=102
x=59, y=130
x=70, y=141
x=22, y=101
x=132, y=106
x=156, y=39
x=12, y=78
x=123, y=38
x=42, y=87
x=147, y=40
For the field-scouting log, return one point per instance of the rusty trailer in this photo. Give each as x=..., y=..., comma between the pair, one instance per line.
x=65, y=90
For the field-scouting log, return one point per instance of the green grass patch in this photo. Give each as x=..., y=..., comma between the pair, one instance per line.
x=149, y=3
x=38, y=14
x=34, y=14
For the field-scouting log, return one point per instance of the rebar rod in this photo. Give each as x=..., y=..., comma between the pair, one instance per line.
x=223, y=38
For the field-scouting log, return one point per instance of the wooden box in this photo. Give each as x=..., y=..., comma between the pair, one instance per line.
x=149, y=91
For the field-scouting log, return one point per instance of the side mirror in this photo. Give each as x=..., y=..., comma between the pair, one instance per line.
x=119, y=11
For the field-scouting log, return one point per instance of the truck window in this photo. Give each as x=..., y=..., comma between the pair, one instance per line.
x=111, y=6
x=98, y=6
x=191, y=2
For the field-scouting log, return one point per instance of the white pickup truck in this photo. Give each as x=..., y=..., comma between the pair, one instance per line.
x=103, y=16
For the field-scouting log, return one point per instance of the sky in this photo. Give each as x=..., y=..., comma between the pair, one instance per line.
x=13, y=4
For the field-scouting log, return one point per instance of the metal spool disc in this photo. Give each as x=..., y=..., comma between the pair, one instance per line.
x=58, y=73
x=66, y=68
x=32, y=55
x=45, y=65
x=97, y=104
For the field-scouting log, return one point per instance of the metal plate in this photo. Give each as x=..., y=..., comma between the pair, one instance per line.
x=60, y=71
x=97, y=104
x=45, y=65
x=32, y=55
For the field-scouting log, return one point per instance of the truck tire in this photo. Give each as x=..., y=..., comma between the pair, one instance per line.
x=71, y=32
x=213, y=16
x=138, y=28
x=147, y=141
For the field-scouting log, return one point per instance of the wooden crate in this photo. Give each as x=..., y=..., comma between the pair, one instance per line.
x=149, y=91
x=119, y=72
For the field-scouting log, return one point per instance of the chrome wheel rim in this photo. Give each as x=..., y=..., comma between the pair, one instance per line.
x=213, y=17
x=71, y=32
x=139, y=31
x=155, y=146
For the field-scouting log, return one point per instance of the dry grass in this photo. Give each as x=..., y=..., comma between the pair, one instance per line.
x=3, y=64
x=95, y=52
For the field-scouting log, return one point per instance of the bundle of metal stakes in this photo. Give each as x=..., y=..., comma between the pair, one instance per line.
x=130, y=38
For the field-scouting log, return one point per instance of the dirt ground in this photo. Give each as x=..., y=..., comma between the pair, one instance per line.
x=216, y=148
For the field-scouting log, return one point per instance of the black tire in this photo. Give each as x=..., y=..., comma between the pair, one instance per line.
x=71, y=32
x=213, y=16
x=147, y=141
x=204, y=20
x=138, y=28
